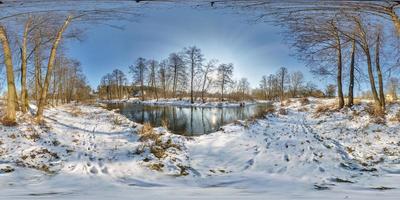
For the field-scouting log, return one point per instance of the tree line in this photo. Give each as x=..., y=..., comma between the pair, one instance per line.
x=184, y=73
x=352, y=41
x=45, y=74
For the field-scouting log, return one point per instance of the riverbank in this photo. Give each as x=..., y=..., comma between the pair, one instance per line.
x=182, y=102
x=300, y=150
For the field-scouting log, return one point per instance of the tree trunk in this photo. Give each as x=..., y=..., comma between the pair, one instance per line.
x=38, y=68
x=282, y=85
x=372, y=78
x=191, y=83
x=396, y=21
x=203, y=87
x=10, y=117
x=379, y=72
x=53, y=52
x=142, y=87
x=350, y=102
x=174, y=82
x=24, y=90
x=339, y=73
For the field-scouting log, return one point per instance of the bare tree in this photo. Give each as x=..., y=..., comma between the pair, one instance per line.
x=296, y=80
x=194, y=58
x=178, y=69
x=153, y=68
x=282, y=75
x=43, y=95
x=225, y=73
x=351, y=75
x=120, y=79
x=10, y=117
x=330, y=90
x=163, y=76
x=393, y=87
x=207, y=79
x=264, y=86
x=243, y=88
x=139, y=73
x=362, y=38
x=24, y=90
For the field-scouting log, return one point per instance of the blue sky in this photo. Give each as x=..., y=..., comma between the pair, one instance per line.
x=254, y=49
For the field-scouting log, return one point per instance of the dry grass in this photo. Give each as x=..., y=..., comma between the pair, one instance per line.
x=154, y=142
x=147, y=133
x=270, y=109
x=75, y=111
x=303, y=109
x=156, y=166
x=164, y=123
x=7, y=122
x=375, y=110
x=304, y=101
x=283, y=111
x=323, y=108
x=117, y=121
x=396, y=117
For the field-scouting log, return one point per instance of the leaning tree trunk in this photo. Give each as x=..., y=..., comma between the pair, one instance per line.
x=379, y=72
x=24, y=90
x=339, y=72
x=372, y=79
x=50, y=65
x=396, y=21
x=350, y=103
x=38, y=66
x=10, y=117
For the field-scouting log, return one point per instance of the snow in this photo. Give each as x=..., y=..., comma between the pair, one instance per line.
x=85, y=151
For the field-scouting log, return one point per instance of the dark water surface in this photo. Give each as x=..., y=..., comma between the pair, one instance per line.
x=189, y=121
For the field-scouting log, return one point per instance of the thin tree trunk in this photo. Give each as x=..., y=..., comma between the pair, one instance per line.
x=155, y=88
x=222, y=87
x=396, y=21
x=379, y=72
x=43, y=96
x=174, y=82
x=350, y=102
x=372, y=78
x=191, y=83
x=141, y=85
x=204, y=85
x=38, y=70
x=339, y=73
x=10, y=117
x=282, y=85
x=24, y=90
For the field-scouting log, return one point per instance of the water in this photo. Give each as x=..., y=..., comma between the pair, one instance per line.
x=189, y=121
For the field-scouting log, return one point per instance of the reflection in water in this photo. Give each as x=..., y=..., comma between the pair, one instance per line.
x=188, y=120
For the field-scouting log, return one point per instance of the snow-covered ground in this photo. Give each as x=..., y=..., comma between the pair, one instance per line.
x=300, y=151
x=181, y=102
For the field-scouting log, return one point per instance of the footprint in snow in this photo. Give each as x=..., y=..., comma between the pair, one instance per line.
x=286, y=157
x=249, y=163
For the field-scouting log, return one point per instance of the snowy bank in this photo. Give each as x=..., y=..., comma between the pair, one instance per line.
x=300, y=150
